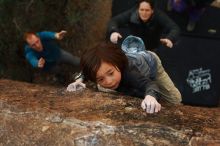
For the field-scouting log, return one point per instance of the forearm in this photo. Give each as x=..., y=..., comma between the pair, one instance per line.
x=172, y=30
x=174, y=33
x=47, y=35
x=32, y=60
x=152, y=89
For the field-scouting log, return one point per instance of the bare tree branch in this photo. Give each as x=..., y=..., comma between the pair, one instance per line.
x=29, y=5
x=16, y=24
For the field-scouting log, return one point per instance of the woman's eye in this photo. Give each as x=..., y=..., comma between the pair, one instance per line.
x=111, y=73
x=99, y=80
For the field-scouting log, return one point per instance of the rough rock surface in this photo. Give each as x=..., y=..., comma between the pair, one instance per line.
x=32, y=114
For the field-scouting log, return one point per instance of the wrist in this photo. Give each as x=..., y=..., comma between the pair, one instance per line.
x=57, y=35
x=152, y=93
x=79, y=77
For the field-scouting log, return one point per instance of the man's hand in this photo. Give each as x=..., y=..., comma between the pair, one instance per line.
x=167, y=42
x=60, y=35
x=150, y=104
x=75, y=86
x=41, y=62
x=114, y=37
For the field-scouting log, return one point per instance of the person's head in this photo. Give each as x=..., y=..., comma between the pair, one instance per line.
x=33, y=41
x=104, y=64
x=145, y=9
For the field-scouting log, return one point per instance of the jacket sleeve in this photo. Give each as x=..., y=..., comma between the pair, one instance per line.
x=143, y=83
x=149, y=86
x=171, y=29
x=47, y=35
x=32, y=59
x=138, y=75
x=119, y=21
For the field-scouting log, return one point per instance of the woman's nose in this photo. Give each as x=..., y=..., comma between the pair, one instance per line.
x=109, y=81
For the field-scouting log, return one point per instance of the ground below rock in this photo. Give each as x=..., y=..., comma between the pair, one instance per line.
x=32, y=114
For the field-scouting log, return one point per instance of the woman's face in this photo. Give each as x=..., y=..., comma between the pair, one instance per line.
x=108, y=76
x=145, y=11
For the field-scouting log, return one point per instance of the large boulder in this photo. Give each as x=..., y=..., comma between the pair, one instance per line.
x=32, y=114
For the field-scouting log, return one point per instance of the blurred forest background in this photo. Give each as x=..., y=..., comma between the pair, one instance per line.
x=85, y=21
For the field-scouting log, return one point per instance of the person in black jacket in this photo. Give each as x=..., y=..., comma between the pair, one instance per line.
x=152, y=25
x=129, y=74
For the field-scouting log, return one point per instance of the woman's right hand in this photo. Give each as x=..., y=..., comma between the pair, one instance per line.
x=75, y=86
x=114, y=37
x=150, y=104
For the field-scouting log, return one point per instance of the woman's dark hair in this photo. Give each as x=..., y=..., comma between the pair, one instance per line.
x=103, y=52
x=147, y=1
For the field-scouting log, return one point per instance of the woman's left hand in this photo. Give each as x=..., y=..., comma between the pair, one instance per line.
x=150, y=104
